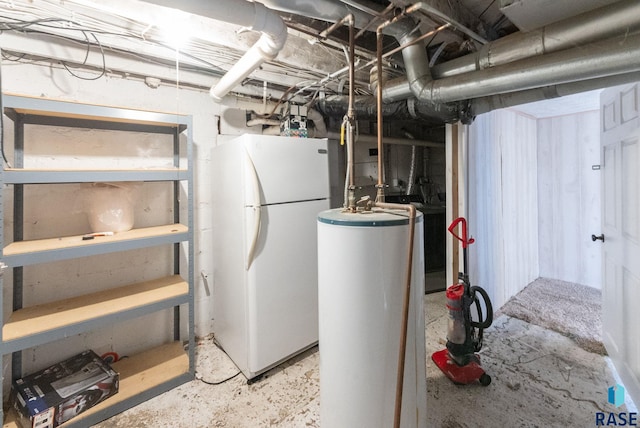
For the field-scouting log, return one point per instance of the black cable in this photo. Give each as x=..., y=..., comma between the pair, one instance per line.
x=486, y=9
x=22, y=26
x=17, y=59
x=219, y=382
x=104, y=64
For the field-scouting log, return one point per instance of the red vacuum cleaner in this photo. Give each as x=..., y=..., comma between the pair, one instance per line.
x=459, y=361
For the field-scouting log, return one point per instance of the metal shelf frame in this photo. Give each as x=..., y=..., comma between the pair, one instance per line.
x=37, y=111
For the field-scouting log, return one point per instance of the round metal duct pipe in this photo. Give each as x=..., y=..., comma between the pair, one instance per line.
x=487, y=104
x=618, y=19
x=614, y=20
x=616, y=56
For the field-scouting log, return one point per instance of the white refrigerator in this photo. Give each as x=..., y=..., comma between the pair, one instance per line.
x=267, y=193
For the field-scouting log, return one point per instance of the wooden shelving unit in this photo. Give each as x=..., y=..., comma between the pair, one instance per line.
x=148, y=373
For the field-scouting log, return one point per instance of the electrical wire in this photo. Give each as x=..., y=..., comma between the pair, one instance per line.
x=218, y=382
x=211, y=68
x=24, y=27
x=219, y=55
x=91, y=28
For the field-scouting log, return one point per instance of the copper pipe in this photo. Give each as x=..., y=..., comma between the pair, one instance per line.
x=352, y=72
x=380, y=15
x=337, y=73
x=349, y=19
x=380, y=186
x=414, y=41
x=405, y=306
x=430, y=10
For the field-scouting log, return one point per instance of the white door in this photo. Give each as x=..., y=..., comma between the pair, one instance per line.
x=620, y=162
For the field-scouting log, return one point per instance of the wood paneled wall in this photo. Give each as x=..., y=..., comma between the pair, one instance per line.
x=503, y=203
x=569, y=198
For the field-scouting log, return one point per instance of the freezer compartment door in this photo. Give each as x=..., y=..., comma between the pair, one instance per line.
x=287, y=169
x=282, y=288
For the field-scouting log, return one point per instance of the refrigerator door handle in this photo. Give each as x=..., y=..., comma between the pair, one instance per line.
x=256, y=208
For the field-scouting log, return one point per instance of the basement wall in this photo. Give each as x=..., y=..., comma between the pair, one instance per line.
x=503, y=203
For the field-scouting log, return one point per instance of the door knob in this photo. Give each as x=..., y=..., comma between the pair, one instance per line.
x=594, y=238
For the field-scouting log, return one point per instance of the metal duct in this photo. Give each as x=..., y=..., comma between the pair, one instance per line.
x=614, y=20
x=254, y=16
x=416, y=65
x=600, y=59
x=487, y=104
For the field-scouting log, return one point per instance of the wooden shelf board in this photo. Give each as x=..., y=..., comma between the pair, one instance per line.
x=144, y=371
x=137, y=374
x=41, y=318
x=25, y=247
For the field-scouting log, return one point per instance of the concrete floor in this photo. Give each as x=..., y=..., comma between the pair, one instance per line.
x=540, y=379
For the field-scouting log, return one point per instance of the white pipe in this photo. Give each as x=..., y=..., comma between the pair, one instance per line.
x=252, y=15
x=260, y=121
x=274, y=34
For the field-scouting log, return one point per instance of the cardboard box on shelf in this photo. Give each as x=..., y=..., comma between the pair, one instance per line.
x=52, y=396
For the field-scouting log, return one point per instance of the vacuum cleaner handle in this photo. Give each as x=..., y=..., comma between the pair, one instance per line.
x=465, y=242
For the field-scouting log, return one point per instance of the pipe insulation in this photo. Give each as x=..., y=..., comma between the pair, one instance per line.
x=252, y=15
x=365, y=108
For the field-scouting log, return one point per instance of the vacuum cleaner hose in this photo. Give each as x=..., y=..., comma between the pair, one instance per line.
x=488, y=320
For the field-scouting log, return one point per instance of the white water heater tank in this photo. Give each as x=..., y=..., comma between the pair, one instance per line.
x=362, y=260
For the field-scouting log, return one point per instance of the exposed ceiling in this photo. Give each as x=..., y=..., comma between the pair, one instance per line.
x=477, y=63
